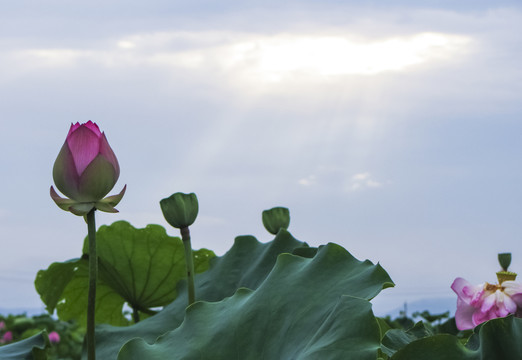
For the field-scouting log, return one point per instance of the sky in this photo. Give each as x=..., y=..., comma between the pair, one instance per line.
x=390, y=128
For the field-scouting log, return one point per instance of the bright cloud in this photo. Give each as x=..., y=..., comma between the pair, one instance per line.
x=266, y=58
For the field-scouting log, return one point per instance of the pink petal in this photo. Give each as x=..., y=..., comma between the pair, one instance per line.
x=488, y=302
x=107, y=152
x=508, y=304
x=93, y=127
x=465, y=290
x=479, y=317
x=73, y=128
x=463, y=315
x=84, y=145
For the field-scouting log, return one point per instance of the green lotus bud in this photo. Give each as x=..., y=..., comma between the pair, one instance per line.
x=275, y=219
x=504, y=260
x=180, y=210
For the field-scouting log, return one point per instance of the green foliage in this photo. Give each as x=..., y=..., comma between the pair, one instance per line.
x=30, y=338
x=277, y=300
x=140, y=267
x=294, y=308
x=250, y=327
x=492, y=340
x=246, y=264
x=396, y=339
x=30, y=348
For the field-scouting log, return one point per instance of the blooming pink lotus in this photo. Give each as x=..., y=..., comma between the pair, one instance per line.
x=54, y=337
x=85, y=170
x=479, y=303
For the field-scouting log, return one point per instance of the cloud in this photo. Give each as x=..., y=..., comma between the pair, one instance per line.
x=257, y=57
x=307, y=181
x=362, y=181
x=337, y=179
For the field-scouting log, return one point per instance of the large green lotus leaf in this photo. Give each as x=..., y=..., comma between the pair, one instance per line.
x=246, y=264
x=495, y=339
x=241, y=327
x=51, y=283
x=63, y=286
x=73, y=300
x=143, y=265
x=330, y=274
x=31, y=348
x=140, y=267
x=298, y=312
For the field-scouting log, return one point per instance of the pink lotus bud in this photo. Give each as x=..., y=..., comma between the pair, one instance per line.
x=85, y=170
x=54, y=337
x=477, y=304
x=8, y=336
x=2, y=325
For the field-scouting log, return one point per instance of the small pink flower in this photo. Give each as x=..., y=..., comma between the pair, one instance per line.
x=54, y=337
x=479, y=303
x=8, y=337
x=2, y=325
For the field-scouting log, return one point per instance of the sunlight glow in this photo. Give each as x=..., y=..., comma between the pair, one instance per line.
x=338, y=55
x=265, y=59
x=274, y=58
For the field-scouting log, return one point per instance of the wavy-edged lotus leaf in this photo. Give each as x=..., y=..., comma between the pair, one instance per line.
x=494, y=339
x=297, y=285
x=307, y=308
x=246, y=264
x=30, y=348
x=241, y=327
x=140, y=267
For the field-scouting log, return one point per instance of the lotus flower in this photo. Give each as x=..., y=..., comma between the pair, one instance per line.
x=479, y=303
x=8, y=337
x=85, y=170
x=54, y=337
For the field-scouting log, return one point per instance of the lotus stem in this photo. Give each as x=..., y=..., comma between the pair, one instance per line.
x=135, y=315
x=185, y=236
x=91, y=297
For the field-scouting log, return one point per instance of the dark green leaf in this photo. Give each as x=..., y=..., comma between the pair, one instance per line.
x=140, y=267
x=494, y=339
x=32, y=348
x=300, y=293
x=396, y=339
